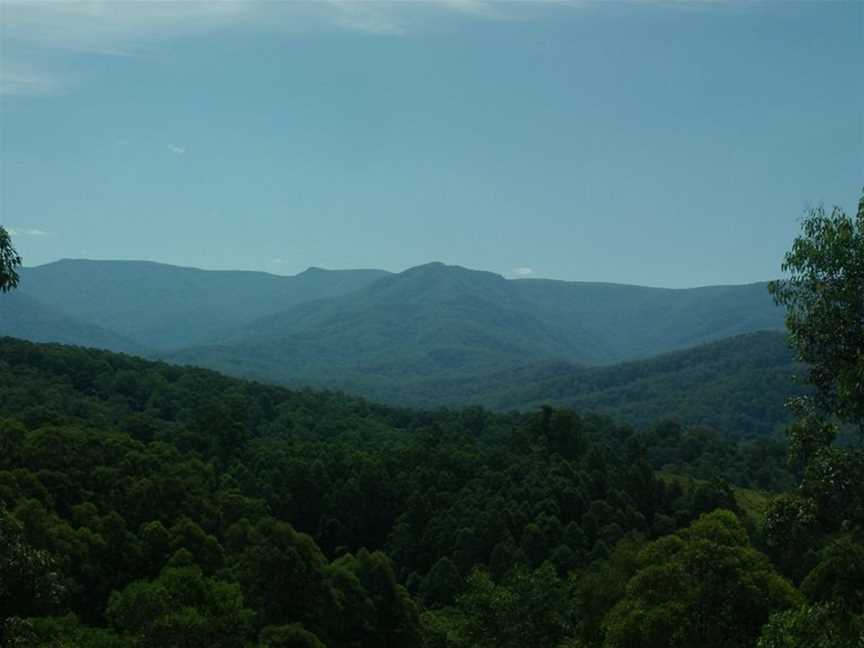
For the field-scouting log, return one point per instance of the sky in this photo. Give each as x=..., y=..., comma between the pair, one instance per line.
x=666, y=144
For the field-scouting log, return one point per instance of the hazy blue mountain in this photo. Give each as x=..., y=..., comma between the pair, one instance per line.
x=165, y=307
x=429, y=316
x=639, y=322
x=434, y=319
x=438, y=334
x=23, y=316
x=431, y=335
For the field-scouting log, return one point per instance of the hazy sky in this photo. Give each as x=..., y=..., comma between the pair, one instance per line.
x=671, y=144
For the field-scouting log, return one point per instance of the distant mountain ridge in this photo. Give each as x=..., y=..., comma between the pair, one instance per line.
x=431, y=318
x=391, y=337
x=165, y=307
x=639, y=322
x=449, y=321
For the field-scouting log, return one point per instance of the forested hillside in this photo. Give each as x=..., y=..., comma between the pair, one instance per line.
x=164, y=307
x=432, y=320
x=638, y=322
x=22, y=316
x=146, y=504
x=738, y=385
x=446, y=321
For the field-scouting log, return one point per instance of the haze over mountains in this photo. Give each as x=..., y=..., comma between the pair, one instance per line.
x=24, y=316
x=431, y=335
x=163, y=307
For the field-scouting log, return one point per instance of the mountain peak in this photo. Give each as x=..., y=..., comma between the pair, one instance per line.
x=313, y=270
x=436, y=281
x=437, y=268
x=432, y=265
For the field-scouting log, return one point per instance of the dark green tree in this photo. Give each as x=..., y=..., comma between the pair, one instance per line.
x=9, y=261
x=29, y=580
x=810, y=626
x=288, y=636
x=282, y=573
x=705, y=586
x=181, y=608
x=527, y=610
x=442, y=584
x=824, y=298
x=394, y=621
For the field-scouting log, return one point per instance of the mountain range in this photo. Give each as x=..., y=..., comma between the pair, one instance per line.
x=432, y=335
x=163, y=307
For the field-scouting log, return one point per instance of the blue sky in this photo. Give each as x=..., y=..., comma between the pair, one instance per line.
x=671, y=144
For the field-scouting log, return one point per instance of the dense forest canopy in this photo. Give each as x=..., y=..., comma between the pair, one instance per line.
x=290, y=512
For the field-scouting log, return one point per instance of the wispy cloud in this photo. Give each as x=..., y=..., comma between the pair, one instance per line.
x=122, y=28
x=178, y=150
x=37, y=34
x=27, y=231
x=522, y=271
x=110, y=27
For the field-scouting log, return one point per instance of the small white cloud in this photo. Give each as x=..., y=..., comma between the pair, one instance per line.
x=278, y=261
x=523, y=271
x=27, y=231
x=112, y=51
x=178, y=150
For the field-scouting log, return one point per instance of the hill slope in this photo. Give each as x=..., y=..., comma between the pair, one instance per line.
x=439, y=334
x=638, y=322
x=434, y=309
x=23, y=316
x=165, y=307
x=429, y=320
x=738, y=385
